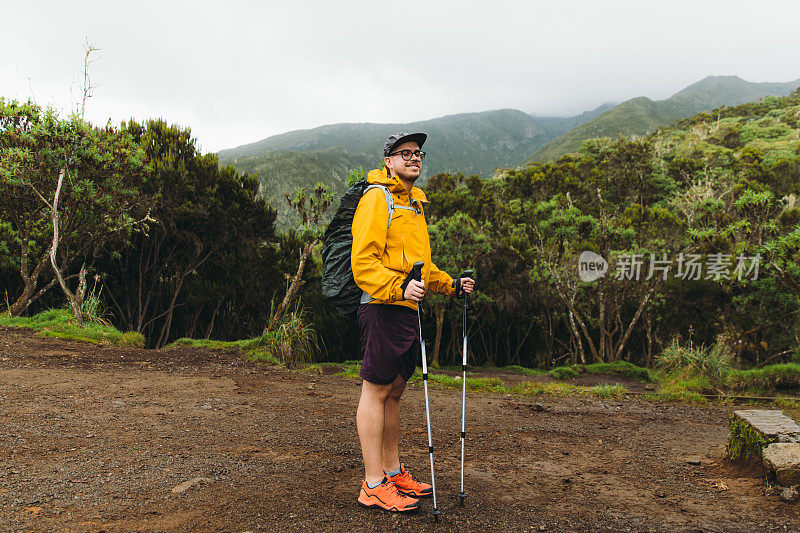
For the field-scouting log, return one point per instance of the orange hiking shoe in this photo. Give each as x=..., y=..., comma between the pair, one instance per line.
x=386, y=496
x=409, y=486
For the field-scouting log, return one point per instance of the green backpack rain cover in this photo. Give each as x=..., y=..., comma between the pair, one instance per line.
x=338, y=285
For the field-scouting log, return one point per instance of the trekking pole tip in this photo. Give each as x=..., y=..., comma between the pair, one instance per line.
x=437, y=515
x=461, y=496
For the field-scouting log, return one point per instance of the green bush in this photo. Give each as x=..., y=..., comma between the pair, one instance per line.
x=689, y=360
x=565, y=372
x=523, y=370
x=617, y=367
x=621, y=367
x=292, y=342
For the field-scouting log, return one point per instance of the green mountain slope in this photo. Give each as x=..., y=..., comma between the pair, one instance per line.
x=473, y=143
x=280, y=173
x=642, y=115
x=557, y=126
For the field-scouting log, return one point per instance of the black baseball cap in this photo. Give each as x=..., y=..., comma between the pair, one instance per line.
x=400, y=138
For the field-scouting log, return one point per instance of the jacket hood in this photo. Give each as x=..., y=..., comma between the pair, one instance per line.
x=380, y=177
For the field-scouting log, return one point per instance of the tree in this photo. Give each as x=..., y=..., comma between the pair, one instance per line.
x=457, y=242
x=199, y=214
x=68, y=191
x=310, y=208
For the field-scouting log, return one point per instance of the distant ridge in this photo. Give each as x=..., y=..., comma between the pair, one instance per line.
x=472, y=143
x=641, y=115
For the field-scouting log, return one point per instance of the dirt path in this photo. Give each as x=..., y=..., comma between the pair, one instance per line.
x=96, y=438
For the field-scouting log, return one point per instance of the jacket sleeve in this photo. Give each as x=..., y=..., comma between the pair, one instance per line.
x=440, y=282
x=370, y=224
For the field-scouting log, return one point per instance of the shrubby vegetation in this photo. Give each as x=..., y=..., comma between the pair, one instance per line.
x=171, y=244
x=689, y=189
x=175, y=246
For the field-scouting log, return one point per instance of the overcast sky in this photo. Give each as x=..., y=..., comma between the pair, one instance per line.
x=248, y=70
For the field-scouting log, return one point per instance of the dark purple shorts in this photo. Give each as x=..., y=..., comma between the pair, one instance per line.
x=389, y=342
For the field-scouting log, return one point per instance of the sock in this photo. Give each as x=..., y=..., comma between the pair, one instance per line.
x=392, y=473
x=373, y=485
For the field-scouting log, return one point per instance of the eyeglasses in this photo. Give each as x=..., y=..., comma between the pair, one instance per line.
x=406, y=154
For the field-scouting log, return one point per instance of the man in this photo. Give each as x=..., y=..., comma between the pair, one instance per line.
x=381, y=259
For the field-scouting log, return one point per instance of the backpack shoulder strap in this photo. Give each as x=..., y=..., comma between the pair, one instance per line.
x=365, y=297
x=389, y=200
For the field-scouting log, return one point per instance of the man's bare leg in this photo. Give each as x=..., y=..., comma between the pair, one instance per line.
x=390, y=455
x=370, y=419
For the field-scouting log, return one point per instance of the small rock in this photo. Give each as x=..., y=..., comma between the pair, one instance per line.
x=694, y=462
x=720, y=486
x=538, y=407
x=310, y=387
x=186, y=485
x=661, y=494
x=783, y=459
x=206, y=406
x=650, y=386
x=542, y=528
x=790, y=494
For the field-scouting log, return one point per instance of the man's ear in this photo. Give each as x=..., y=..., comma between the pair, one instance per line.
x=388, y=167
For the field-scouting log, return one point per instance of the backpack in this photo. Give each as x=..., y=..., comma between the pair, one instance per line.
x=338, y=285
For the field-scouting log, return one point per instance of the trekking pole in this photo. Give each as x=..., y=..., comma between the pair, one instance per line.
x=462, y=494
x=416, y=274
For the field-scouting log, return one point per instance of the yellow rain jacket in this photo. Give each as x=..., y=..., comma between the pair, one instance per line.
x=382, y=257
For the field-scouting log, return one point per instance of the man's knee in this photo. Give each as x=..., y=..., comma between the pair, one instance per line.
x=398, y=386
x=375, y=392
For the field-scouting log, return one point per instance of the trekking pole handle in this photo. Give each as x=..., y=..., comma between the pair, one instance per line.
x=415, y=274
x=457, y=282
x=416, y=271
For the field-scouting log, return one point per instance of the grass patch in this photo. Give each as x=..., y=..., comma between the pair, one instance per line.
x=292, y=342
x=565, y=372
x=744, y=442
x=680, y=396
x=254, y=349
x=676, y=382
x=536, y=388
x=617, y=367
x=312, y=369
x=688, y=360
x=352, y=369
x=787, y=403
x=609, y=391
x=61, y=324
x=623, y=368
x=773, y=377
x=473, y=384
x=454, y=382
x=523, y=370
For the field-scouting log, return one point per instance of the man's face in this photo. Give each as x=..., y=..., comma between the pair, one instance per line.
x=405, y=170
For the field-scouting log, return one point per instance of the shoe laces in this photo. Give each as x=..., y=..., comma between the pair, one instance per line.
x=396, y=491
x=405, y=474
